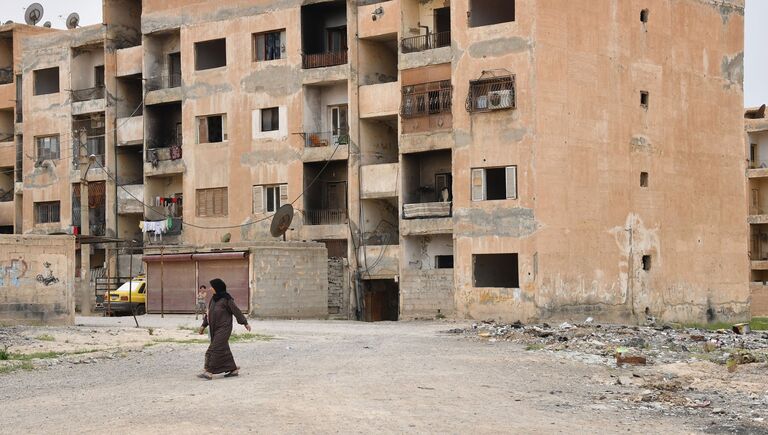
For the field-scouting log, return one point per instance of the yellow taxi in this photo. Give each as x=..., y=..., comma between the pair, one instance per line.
x=130, y=297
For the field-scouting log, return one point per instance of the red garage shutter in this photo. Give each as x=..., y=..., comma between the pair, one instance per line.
x=234, y=272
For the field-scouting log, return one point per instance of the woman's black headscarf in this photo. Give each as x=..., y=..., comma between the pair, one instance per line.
x=221, y=289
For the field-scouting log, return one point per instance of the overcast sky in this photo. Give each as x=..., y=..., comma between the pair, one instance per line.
x=755, y=54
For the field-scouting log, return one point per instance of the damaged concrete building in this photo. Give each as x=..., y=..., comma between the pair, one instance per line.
x=756, y=125
x=507, y=159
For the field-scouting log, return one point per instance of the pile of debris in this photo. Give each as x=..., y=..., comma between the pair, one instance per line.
x=633, y=345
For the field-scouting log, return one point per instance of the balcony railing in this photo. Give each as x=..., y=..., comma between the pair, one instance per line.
x=88, y=94
x=155, y=155
x=6, y=195
x=753, y=164
x=6, y=76
x=325, y=217
x=326, y=138
x=164, y=81
x=427, y=210
x=95, y=145
x=6, y=137
x=426, y=99
x=320, y=60
x=414, y=44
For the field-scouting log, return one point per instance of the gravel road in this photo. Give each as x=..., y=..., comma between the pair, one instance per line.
x=326, y=377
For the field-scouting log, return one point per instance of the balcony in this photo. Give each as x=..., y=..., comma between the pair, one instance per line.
x=7, y=152
x=7, y=96
x=94, y=93
x=128, y=61
x=427, y=210
x=322, y=60
x=130, y=199
x=429, y=41
x=325, y=217
x=172, y=237
x=379, y=100
x=380, y=261
x=379, y=181
x=88, y=100
x=426, y=107
x=163, y=89
x=7, y=212
x=426, y=226
x=387, y=21
x=323, y=146
x=130, y=131
x=164, y=161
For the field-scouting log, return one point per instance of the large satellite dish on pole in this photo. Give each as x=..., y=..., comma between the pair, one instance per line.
x=33, y=14
x=73, y=20
x=281, y=221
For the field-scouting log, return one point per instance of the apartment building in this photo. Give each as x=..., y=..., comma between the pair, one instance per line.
x=756, y=126
x=516, y=160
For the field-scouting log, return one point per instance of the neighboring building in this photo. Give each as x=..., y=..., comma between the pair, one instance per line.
x=756, y=124
x=508, y=159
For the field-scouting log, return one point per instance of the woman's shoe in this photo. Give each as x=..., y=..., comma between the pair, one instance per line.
x=205, y=375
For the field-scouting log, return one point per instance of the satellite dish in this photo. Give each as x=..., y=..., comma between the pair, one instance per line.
x=73, y=20
x=33, y=14
x=9, y=22
x=281, y=221
x=47, y=24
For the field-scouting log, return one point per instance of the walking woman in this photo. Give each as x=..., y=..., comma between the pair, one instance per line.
x=218, y=357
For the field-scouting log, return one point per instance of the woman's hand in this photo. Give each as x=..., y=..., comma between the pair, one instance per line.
x=201, y=331
x=248, y=327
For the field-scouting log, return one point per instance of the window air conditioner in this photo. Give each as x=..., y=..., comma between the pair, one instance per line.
x=500, y=99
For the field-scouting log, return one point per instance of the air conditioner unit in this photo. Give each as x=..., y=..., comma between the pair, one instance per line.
x=500, y=99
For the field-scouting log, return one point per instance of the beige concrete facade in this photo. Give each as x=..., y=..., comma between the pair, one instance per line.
x=526, y=160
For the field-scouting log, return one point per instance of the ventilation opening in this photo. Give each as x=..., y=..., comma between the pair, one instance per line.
x=46, y=81
x=644, y=99
x=210, y=54
x=486, y=12
x=495, y=270
x=643, y=179
x=644, y=15
x=443, y=261
x=646, y=262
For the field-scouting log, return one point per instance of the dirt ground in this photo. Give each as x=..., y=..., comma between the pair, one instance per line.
x=345, y=377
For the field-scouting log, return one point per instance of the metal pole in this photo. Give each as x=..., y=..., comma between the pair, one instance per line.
x=85, y=249
x=130, y=286
x=162, y=301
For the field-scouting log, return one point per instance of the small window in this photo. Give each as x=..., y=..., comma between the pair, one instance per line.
x=486, y=12
x=98, y=76
x=48, y=147
x=47, y=212
x=211, y=129
x=644, y=15
x=210, y=54
x=443, y=261
x=270, y=119
x=269, y=45
x=267, y=198
x=495, y=270
x=46, y=81
x=644, y=99
x=646, y=262
x=492, y=92
x=212, y=202
x=643, y=179
x=494, y=183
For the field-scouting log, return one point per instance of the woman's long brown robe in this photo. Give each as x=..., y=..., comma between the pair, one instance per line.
x=218, y=357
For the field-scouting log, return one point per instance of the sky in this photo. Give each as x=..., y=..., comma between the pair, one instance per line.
x=755, y=51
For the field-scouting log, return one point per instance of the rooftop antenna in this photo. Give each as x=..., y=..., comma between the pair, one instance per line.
x=73, y=20
x=281, y=221
x=33, y=14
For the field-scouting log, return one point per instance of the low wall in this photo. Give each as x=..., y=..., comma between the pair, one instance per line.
x=37, y=280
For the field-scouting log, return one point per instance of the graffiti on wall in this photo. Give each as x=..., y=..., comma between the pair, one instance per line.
x=12, y=271
x=47, y=278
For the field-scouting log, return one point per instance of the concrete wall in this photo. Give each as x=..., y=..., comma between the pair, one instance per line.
x=289, y=280
x=37, y=280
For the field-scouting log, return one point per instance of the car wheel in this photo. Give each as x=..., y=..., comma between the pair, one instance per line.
x=140, y=310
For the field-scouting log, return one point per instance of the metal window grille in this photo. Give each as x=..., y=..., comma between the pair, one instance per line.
x=492, y=93
x=47, y=212
x=426, y=99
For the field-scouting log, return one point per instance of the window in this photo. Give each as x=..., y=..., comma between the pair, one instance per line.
x=212, y=202
x=644, y=99
x=646, y=262
x=98, y=76
x=270, y=119
x=643, y=179
x=426, y=99
x=485, y=12
x=443, y=261
x=644, y=15
x=46, y=81
x=492, y=91
x=47, y=212
x=268, y=45
x=268, y=198
x=211, y=128
x=494, y=183
x=210, y=54
x=48, y=147
x=495, y=270
x=174, y=70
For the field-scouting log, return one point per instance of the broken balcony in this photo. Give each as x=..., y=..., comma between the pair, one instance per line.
x=324, y=34
x=162, y=57
x=758, y=154
x=88, y=137
x=97, y=217
x=87, y=79
x=426, y=24
x=163, y=139
x=325, y=199
x=326, y=122
x=427, y=192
